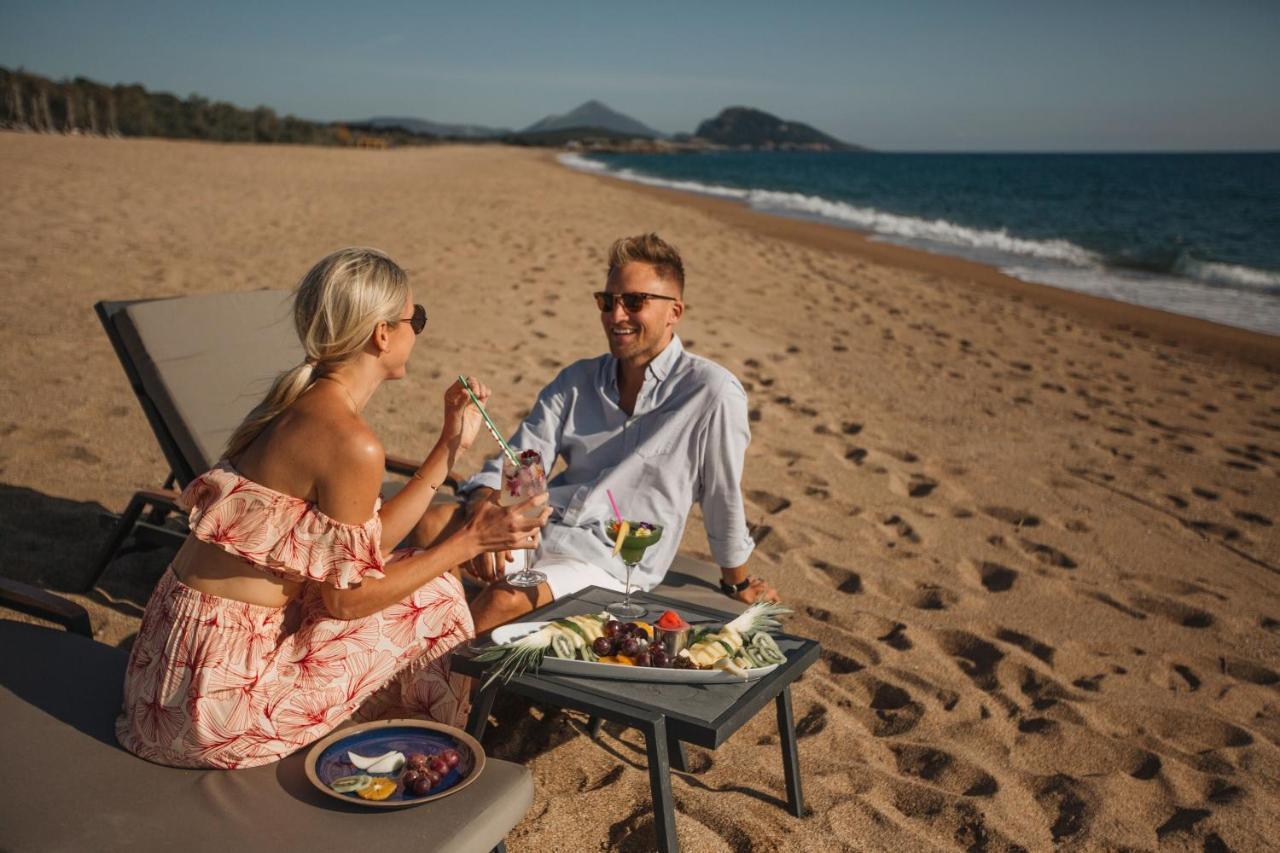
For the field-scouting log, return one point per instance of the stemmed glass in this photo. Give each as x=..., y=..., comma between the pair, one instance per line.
x=518, y=485
x=632, y=551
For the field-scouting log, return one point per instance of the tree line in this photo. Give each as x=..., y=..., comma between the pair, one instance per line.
x=83, y=106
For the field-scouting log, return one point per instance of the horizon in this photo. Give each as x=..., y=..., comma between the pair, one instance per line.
x=991, y=78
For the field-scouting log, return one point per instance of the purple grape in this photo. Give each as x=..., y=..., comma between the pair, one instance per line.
x=421, y=785
x=644, y=659
x=451, y=757
x=658, y=657
x=602, y=646
x=631, y=647
x=612, y=627
x=410, y=776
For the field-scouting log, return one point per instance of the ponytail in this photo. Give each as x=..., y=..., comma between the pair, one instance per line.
x=287, y=388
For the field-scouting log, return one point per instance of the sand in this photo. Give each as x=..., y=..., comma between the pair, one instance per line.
x=1034, y=532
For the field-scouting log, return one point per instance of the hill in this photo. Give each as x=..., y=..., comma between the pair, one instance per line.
x=595, y=115
x=435, y=128
x=745, y=127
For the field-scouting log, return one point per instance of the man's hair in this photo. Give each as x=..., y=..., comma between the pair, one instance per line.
x=648, y=249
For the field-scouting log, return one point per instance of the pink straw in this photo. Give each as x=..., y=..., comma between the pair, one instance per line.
x=614, y=504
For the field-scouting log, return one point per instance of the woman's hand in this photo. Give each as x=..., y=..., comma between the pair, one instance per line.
x=499, y=529
x=462, y=420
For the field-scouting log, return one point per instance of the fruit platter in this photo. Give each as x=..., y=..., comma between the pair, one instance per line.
x=668, y=649
x=394, y=763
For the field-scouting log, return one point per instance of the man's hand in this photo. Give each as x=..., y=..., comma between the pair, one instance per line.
x=759, y=590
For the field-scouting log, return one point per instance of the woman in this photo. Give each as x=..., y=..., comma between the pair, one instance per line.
x=285, y=611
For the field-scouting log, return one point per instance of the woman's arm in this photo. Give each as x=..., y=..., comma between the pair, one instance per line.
x=346, y=493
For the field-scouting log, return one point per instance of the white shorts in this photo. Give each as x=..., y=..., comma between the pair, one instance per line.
x=565, y=575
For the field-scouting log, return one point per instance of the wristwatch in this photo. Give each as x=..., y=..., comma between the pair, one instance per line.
x=732, y=589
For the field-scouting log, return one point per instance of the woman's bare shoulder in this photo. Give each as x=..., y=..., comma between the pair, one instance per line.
x=314, y=442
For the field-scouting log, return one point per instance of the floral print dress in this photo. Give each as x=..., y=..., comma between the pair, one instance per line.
x=214, y=682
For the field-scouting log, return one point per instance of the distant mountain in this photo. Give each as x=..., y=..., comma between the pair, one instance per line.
x=743, y=126
x=595, y=115
x=435, y=128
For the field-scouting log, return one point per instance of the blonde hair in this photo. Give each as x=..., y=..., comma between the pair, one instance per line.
x=648, y=249
x=336, y=307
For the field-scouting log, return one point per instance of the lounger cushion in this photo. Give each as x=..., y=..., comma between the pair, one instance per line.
x=69, y=787
x=697, y=582
x=206, y=360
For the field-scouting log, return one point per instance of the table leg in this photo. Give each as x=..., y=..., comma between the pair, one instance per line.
x=676, y=755
x=664, y=816
x=790, y=757
x=480, y=708
x=594, y=725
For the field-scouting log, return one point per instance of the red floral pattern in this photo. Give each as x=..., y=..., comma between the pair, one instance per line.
x=214, y=682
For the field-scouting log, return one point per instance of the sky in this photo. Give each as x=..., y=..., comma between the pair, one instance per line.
x=907, y=76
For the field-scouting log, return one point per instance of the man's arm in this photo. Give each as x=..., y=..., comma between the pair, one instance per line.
x=724, y=453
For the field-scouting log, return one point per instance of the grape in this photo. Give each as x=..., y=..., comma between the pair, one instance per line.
x=451, y=757
x=602, y=646
x=612, y=627
x=658, y=657
x=422, y=785
x=410, y=776
x=438, y=766
x=633, y=630
x=416, y=760
x=644, y=659
x=631, y=647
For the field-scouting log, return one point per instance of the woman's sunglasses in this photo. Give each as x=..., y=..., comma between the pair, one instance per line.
x=418, y=321
x=633, y=302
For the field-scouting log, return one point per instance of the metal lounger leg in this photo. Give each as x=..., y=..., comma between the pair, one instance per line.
x=790, y=757
x=128, y=520
x=479, y=717
x=664, y=816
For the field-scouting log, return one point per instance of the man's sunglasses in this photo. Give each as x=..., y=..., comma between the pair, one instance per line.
x=633, y=302
x=418, y=321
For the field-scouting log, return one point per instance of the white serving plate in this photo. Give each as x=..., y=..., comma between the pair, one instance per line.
x=621, y=672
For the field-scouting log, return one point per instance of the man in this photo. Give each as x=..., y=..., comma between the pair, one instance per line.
x=657, y=426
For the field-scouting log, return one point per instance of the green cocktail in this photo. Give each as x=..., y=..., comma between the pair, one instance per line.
x=640, y=536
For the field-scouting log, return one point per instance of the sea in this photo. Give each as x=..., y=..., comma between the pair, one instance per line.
x=1194, y=234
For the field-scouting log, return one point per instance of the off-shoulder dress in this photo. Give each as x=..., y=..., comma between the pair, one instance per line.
x=214, y=682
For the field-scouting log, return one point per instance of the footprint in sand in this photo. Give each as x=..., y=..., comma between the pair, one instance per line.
x=1188, y=676
x=943, y=770
x=1067, y=803
x=1047, y=554
x=912, y=486
x=993, y=576
x=771, y=503
x=1145, y=766
x=1174, y=611
x=928, y=596
x=896, y=637
x=975, y=656
x=1182, y=820
x=1016, y=517
x=895, y=711
x=901, y=527
x=1247, y=670
x=1252, y=517
x=839, y=664
x=845, y=580
x=1031, y=645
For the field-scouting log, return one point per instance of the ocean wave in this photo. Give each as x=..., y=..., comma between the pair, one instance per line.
x=1233, y=276
x=863, y=218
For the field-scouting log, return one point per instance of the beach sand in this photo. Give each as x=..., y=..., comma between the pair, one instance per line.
x=1035, y=532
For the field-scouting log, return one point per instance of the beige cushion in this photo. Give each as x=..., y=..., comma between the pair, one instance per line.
x=67, y=785
x=206, y=360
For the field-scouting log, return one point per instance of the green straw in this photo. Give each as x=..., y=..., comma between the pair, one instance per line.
x=493, y=430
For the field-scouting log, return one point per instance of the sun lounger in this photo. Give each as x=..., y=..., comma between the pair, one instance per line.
x=69, y=787
x=197, y=364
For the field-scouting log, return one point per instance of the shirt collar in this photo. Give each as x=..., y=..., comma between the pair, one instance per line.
x=659, y=368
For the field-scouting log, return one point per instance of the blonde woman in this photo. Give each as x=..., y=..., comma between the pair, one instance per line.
x=285, y=611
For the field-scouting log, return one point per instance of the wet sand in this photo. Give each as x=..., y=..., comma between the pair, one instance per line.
x=1034, y=531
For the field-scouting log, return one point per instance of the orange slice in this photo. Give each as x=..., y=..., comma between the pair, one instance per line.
x=379, y=789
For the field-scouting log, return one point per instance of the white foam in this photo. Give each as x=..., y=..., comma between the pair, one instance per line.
x=1229, y=275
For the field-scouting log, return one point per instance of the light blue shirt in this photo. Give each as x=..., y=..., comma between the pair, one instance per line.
x=685, y=442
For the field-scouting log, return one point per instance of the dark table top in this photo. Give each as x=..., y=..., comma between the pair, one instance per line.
x=702, y=714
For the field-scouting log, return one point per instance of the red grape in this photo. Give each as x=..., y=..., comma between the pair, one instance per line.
x=422, y=785
x=451, y=757
x=416, y=760
x=612, y=627
x=438, y=766
x=602, y=646
x=410, y=776
x=644, y=659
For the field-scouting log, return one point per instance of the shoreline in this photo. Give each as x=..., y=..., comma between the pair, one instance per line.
x=1204, y=337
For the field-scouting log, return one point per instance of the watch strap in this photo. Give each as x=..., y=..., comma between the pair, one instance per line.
x=734, y=588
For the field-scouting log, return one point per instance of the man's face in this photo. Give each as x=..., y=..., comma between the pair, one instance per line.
x=641, y=335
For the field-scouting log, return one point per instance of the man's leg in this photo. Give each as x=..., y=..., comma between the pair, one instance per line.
x=440, y=520
x=502, y=603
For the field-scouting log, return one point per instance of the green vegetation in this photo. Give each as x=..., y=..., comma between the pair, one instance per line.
x=33, y=102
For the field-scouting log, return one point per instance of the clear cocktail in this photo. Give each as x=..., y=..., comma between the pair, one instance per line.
x=518, y=485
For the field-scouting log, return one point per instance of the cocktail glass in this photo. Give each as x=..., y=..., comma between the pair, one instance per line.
x=518, y=485
x=633, y=546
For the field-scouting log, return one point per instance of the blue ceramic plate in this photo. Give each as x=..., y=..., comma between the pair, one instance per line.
x=328, y=759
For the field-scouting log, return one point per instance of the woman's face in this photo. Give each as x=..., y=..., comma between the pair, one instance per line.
x=401, y=340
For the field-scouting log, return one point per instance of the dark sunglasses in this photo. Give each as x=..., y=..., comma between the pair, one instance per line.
x=418, y=321
x=633, y=302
